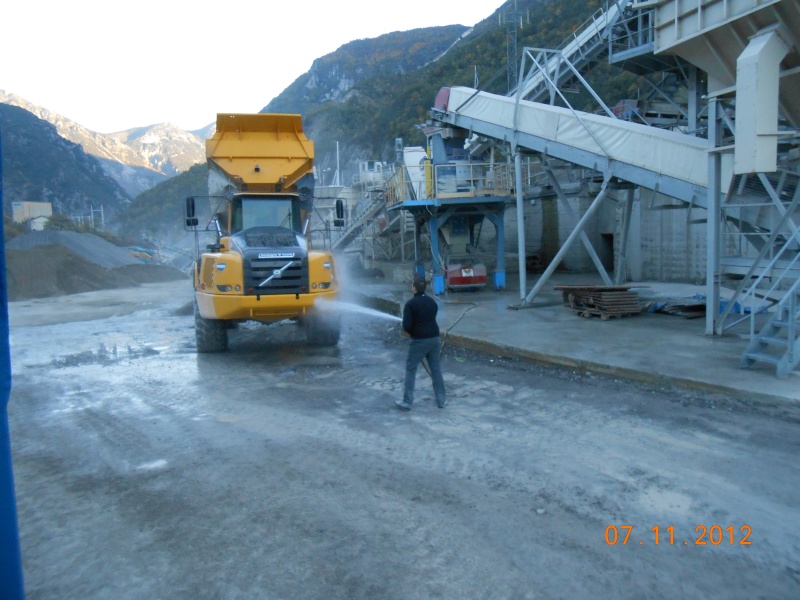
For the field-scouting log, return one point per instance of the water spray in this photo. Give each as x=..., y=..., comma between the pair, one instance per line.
x=358, y=309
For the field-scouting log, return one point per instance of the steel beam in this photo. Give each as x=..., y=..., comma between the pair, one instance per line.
x=574, y=218
x=713, y=324
x=521, y=250
x=570, y=239
x=621, y=267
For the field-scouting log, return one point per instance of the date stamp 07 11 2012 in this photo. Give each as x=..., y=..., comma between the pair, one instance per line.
x=714, y=535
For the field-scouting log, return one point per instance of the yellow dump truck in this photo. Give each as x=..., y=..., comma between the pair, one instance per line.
x=260, y=268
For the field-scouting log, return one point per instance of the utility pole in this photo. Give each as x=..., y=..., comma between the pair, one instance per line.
x=513, y=19
x=102, y=216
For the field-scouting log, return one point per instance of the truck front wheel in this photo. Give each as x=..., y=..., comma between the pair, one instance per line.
x=211, y=335
x=322, y=328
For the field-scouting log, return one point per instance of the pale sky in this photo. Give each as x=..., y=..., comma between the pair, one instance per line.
x=112, y=66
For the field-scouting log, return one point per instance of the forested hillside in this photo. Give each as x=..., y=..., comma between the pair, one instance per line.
x=159, y=212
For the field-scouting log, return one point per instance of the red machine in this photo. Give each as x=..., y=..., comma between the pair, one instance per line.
x=461, y=276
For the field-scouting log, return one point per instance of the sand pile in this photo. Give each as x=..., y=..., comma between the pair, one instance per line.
x=56, y=263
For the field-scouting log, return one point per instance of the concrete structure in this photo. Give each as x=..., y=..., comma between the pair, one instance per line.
x=34, y=213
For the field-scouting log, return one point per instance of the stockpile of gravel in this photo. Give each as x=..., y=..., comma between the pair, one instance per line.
x=56, y=263
x=86, y=245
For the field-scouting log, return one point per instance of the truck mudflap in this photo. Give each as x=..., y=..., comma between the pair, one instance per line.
x=265, y=307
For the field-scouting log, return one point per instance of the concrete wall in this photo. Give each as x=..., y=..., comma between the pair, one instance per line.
x=664, y=244
x=673, y=248
x=548, y=224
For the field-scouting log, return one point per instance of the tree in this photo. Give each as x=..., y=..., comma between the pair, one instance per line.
x=59, y=222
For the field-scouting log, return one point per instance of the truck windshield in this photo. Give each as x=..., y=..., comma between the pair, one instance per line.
x=257, y=212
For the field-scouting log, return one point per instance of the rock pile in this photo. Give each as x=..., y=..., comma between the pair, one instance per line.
x=55, y=263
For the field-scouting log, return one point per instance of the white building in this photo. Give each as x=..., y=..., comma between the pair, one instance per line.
x=35, y=214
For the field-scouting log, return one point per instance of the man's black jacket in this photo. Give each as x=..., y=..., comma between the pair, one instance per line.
x=419, y=317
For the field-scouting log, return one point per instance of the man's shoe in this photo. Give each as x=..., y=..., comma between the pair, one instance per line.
x=402, y=405
x=442, y=405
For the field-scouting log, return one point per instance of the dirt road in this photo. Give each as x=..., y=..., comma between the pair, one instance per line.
x=275, y=470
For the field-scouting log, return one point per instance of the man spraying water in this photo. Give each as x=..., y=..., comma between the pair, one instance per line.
x=419, y=322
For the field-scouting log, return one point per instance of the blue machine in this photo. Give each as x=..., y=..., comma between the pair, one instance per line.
x=460, y=192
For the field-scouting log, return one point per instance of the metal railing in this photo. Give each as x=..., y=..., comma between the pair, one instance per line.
x=459, y=180
x=632, y=32
x=359, y=221
x=777, y=261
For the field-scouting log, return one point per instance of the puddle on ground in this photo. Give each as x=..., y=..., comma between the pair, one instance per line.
x=102, y=356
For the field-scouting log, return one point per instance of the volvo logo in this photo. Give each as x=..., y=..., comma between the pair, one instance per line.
x=276, y=274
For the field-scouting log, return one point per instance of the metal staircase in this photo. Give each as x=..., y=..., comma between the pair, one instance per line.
x=778, y=342
x=762, y=238
x=762, y=209
x=361, y=220
x=587, y=46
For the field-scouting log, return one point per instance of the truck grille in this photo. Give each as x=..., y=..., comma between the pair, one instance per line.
x=291, y=279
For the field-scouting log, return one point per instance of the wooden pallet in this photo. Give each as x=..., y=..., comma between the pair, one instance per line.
x=600, y=300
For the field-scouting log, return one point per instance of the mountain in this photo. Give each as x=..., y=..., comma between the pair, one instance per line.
x=166, y=148
x=363, y=73
x=367, y=93
x=40, y=165
x=356, y=100
x=335, y=77
x=137, y=159
x=363, y=96
x=159, y=212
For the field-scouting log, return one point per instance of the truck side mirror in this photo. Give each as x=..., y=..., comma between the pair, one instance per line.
x=339, y=220
x=191, y=219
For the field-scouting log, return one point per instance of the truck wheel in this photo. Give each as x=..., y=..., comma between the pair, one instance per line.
x=211, y=335
x=322, y=329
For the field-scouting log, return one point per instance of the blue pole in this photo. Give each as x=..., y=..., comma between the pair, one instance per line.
x=11, y=586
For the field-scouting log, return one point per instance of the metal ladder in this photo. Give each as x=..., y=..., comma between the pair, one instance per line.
x=778, y=342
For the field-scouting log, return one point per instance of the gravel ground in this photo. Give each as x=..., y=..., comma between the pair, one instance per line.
x=278, y=470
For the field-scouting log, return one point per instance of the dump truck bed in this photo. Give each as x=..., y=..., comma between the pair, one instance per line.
x=261, y=152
